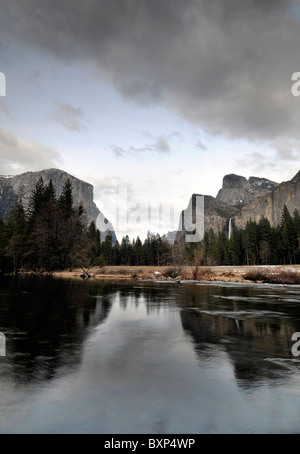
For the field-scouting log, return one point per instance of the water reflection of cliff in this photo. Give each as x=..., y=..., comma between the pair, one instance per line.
x=46, y=322
x=248, y=338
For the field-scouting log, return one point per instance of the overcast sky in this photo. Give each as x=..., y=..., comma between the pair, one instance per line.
x=150, y=99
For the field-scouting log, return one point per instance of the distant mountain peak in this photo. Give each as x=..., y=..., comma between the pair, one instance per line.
x=237, y=190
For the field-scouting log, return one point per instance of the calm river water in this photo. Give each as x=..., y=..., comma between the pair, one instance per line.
x=100, y=357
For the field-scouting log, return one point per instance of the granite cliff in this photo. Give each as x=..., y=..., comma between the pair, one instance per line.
x=271, y=205
x=237, y=190
x=215, y=214
x=240, y=200
x=20, y=187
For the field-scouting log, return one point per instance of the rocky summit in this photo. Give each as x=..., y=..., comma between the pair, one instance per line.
x=237, y=190
x=20, y=187
x=240, y=200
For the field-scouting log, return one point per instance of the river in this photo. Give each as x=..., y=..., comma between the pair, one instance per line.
x=148, y=357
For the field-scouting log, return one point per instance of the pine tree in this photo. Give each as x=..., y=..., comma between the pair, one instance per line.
x=49, y=193
x=288, y=236
x=65, y=200
x=16, y=236
x=297, y=234
x=3, y=242
x=264, y=241
x=36, y=200
x=250, y=243
x=116, y=254
x=125, y=251
x=108, y=248
x=138, y=251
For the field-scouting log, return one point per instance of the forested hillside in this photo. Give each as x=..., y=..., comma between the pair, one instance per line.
x=50, y=234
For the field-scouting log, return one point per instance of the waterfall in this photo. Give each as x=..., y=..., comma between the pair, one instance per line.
x=230, y=228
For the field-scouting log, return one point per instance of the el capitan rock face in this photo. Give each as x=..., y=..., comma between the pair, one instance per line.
x=14, y=188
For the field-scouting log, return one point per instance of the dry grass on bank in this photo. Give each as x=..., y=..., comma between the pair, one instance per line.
x=289, y=274
x=281, y=277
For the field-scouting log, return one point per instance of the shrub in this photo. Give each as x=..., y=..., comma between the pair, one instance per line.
x=172, y=271
x=195, y=272
x=255, y=276
x=203, y=274
x=282, y=277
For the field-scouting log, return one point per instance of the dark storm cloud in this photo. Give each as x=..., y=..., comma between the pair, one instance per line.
x=225, y=65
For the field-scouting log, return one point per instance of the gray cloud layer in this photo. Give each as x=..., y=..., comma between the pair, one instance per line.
x=68, y=116
x=157, y=145
x=225, y=65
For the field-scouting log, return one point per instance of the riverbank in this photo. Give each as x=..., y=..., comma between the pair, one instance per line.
x=284, y=274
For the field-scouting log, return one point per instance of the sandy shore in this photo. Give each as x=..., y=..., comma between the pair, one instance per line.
x=208, y=273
